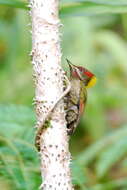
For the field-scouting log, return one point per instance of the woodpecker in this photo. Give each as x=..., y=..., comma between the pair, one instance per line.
x=75, y=100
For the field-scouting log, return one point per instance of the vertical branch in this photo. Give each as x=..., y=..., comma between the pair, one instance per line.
x=48, y=74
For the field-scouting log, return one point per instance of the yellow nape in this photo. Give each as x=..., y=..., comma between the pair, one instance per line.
x=92, y=82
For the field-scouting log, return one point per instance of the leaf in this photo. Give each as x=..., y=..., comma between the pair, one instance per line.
x=80, y=7
x=109, y=2
x=90, y=9
x=105, y=2
x=78, y=176
x=91, y=152
x=113, y=154
x=17, y=151
x=114, y=44
x=111, y=185
x=16, y=114
x=14, y=3
x=10, y=161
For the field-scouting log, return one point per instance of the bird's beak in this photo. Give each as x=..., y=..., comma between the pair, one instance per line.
x=70, y=65
x=74, y=71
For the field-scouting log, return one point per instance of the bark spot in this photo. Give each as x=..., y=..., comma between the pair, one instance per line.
x=44, y=185
x=46, y=155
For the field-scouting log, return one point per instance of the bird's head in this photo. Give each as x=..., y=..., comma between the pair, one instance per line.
x=82, y=74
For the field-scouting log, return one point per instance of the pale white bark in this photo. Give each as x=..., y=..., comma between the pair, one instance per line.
x=46, y=58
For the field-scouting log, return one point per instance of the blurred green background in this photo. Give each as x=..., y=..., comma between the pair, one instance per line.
x=94, y=35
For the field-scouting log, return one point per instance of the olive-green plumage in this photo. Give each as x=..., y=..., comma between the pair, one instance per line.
x=75, y=100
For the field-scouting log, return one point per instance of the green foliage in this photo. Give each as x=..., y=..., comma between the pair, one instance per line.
x=14, y=3
x=90, y=9
x=99, y=146
x=105, y=2
x=80, y=7
x=19, y=162
x=87, y=156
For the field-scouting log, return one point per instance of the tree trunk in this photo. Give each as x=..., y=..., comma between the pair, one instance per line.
x=49, y=76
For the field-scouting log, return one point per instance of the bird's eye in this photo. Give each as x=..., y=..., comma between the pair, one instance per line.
x=81, y=69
